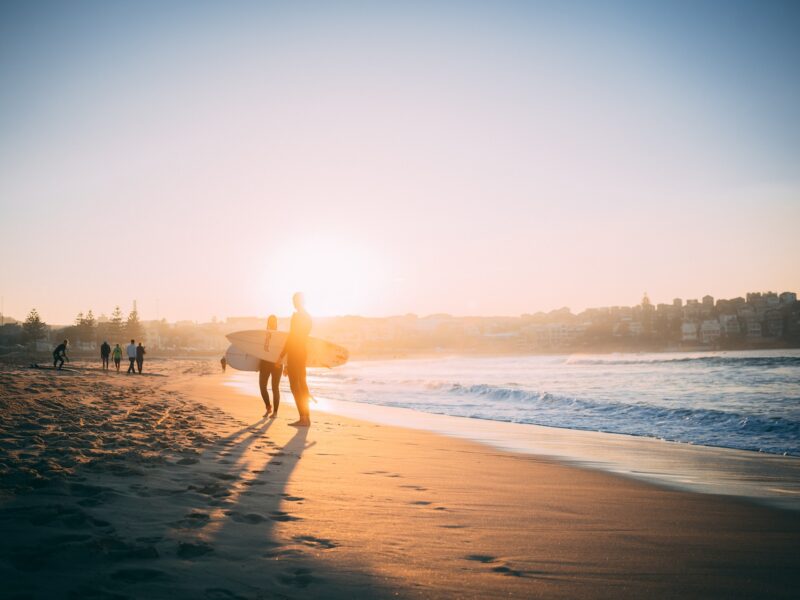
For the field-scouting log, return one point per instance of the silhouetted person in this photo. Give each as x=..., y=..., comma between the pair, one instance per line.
x=117, y=354
x=270, y=369
x=139, y=357
x=130, y=349
x=60, y=355
x=224, y=363
x=296, y=354
x=105, y=353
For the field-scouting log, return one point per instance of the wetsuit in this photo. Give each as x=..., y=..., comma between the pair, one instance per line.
x=266, y=371
x=58, y=356
x=296, y=354
x=105, y=352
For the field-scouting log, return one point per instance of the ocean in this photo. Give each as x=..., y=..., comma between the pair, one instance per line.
x=747, y=400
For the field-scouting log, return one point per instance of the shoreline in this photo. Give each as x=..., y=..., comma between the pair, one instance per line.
x=759, y=477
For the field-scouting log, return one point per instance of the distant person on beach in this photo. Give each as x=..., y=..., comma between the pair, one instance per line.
x=296, y=353
x=60, y=355
x=117, y=355
x=131, y=351
x=224, y=363
x=139, y=357
x=105, y=352
x=269, y=370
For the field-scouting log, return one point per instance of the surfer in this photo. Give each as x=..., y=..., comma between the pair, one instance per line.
x=117, y=354
x=130, y=349
x=139, y=357
x=105, y=352
x=296, y=353
x=60, y=355
x=269, y=369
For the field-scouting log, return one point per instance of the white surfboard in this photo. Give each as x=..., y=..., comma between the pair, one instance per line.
x=241, y=360
x=267, y=345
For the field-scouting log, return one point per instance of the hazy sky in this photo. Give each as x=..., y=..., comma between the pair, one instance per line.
x=471, y=157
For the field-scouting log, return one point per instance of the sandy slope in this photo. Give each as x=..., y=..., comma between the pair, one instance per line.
x=150, y=487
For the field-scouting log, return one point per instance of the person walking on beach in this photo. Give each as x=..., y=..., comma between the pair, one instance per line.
x=295, y=352
x=131, y=351
x=224, y=363
x=267, y=370
x=60, y=355
x=117, y=355
x=139, y=357
x=105, y=352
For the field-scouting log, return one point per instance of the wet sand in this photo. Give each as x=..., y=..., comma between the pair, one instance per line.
x=171, y=485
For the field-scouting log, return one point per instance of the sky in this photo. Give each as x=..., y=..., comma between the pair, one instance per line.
x=476, y=158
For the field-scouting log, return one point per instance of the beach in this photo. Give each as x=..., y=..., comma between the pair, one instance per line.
x=171, y=484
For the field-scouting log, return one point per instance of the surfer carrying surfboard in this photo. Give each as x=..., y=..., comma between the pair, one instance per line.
x=269, y=370
x=296, y=354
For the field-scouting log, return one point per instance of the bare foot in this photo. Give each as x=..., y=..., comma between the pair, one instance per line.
x=301, y=424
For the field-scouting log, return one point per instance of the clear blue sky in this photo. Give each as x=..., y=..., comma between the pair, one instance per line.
x=470, y=157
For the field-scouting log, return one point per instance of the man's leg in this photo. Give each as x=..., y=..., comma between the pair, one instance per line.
x=130, y=366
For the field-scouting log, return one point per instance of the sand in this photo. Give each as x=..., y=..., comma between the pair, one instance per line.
x=170, y=485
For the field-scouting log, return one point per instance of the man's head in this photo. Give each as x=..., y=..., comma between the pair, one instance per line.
x=132, y=342
x=298, y=300
x=66, y=342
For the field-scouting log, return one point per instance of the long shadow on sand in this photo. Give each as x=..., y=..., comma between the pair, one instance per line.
x=163, y=519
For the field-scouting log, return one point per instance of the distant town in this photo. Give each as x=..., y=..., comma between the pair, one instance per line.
x=758, y=320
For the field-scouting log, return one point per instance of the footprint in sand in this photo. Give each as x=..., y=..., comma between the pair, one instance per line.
x=315, y=542
x=283, y=516
x=300, y=577
x=191, y=550
x=481, y=558
x=500, y=569
x=251, y=518
x=193, y=520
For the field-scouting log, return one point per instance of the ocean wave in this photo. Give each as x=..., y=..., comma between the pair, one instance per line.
x=697, y=425
x=722, y=361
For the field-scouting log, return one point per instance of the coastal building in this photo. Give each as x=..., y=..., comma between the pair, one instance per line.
x=710, y=331
x=788, y=298
x=753, y=328
x=688, y=331
x=729, y=325
x=773, y=324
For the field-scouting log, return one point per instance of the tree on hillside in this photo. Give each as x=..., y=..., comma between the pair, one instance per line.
x=115, y=324
x=133, y=328
x=34, y=328
x=89, y=326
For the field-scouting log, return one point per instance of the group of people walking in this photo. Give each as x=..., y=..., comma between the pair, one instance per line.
x=135, y=355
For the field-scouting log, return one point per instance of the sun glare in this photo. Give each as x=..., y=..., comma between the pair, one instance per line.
x=336, y=278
